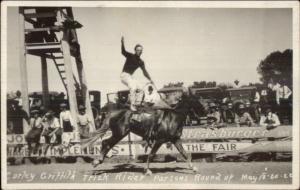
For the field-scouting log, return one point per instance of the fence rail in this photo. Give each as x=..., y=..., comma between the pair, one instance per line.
x=195, y=140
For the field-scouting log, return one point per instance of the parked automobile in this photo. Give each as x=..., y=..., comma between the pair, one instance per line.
x=246, y=96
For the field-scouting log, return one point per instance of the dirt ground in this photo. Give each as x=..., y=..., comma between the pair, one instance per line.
x=172, y=172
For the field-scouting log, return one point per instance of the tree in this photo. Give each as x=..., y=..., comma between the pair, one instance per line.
x=277, y=67
x=178, y=84
x=225, y=86
x=204, y=84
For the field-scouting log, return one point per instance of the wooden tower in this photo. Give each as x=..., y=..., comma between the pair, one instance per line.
x=50, y=33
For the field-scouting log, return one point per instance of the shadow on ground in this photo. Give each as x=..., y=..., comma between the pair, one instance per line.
x=136, y=169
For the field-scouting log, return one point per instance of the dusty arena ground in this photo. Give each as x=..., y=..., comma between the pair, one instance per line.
x=172, y=172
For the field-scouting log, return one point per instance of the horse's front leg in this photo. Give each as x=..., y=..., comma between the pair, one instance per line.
x=155, y=148
x=186, y=156
x=107, y=144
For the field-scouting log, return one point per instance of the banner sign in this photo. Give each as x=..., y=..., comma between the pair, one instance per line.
x=232, y=133
x=74, y=137
x=75, y=150
x=188, y=134
x=197, y=148
x=16, y=139
x=138, y=149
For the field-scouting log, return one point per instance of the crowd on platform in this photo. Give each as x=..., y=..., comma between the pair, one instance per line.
x=45, y=123
x=242, y=116
x=270, y=107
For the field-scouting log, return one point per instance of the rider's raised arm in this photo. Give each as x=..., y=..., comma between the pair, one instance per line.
x=124, y=52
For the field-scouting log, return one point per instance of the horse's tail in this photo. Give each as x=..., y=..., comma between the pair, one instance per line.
x=99, y=133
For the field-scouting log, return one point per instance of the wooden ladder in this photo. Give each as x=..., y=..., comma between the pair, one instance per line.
x=51, y=41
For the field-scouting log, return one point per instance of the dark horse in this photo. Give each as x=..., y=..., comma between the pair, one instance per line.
x=169, y=129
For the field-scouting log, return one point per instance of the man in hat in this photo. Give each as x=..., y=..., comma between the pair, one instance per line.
x=17, y=117
x=132, y=63
x=252, y=109
x=36, y=128
x=84, y=122
x=19, y=98
x=65, y=118
x=214, y=116
x=151, y=97
x=270, y=120
x=242, y=117
x=229, y=113
x=52, y=128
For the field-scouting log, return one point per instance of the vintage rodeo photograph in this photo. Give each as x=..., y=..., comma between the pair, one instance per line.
x=149, y=95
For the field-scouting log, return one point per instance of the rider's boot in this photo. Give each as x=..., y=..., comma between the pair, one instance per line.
x=132, y=97
x=133, y=107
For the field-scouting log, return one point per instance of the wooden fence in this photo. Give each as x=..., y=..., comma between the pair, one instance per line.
x=195, y=140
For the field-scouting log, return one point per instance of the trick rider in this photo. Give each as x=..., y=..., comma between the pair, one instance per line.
x=133, y=62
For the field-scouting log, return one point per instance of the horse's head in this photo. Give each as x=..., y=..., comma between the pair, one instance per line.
x=189, y=104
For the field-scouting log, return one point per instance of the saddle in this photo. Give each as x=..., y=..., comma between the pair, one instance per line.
x=141, y=114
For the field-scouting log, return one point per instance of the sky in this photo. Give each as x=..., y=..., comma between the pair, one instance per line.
x=180, y=44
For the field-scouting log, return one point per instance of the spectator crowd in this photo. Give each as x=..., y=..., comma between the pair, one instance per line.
x=270, y=106
x=45, y=124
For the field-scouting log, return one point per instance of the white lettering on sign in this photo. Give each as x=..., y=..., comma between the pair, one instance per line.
x=197, y=148
x=230, y=132
x=75, y=150
x=16, y=139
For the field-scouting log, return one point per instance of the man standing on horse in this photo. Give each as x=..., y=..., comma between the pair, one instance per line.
x=133, y=62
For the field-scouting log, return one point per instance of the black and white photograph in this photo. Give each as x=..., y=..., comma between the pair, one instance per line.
x=148, y=95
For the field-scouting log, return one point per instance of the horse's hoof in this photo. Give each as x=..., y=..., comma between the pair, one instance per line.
x=95, y=163
x=148, y=172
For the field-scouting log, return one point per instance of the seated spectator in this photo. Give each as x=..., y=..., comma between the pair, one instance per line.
x=247, y=106
x=270, y=120
x=65, y=118
x=214, y=116
x=229, y=113
x=11, y=109
x=52, y=128
x=84, y=122
x=242, y=117
x=17, y=118
x=34, y=134
x=19, y=98
x=252, y=109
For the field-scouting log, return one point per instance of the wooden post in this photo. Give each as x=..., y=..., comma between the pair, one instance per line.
x=130, y=147
x=69, y=78
x=86, y=95
x=45, y=86
x=82, y=78
x=69, y=73
x=22, y=61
